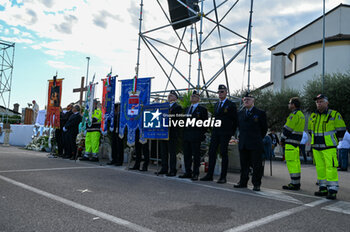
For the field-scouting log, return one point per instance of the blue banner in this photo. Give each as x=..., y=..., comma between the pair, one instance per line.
x=156, y=121
x=108, y=99
x=131, y=105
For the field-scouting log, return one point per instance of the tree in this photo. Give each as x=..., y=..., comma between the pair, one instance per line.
x=275, y=104
x=337, y=89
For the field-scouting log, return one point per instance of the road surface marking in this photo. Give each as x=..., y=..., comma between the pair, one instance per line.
x=84, y=190
x=340, y=207
x=275, y=217
x=83, y=208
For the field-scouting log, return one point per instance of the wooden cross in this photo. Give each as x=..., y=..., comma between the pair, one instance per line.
x=82, y=89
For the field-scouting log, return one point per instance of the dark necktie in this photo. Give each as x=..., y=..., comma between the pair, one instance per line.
x=220, y=105
x=190, y=111
x=248, y=112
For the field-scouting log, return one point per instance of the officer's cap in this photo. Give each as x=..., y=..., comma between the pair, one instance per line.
x=222, y=87
x=248, y=94
x=195, y=93
x=321, y=96
x=173, y=92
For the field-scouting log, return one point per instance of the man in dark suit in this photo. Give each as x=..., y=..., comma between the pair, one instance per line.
x=252, y=126
x=117, y=142
x=71, y=129
x=169, y=147
x=193, y=136
x=226, y=111
x=63, y=120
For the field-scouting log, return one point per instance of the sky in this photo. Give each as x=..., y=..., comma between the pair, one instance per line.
x=57, y=35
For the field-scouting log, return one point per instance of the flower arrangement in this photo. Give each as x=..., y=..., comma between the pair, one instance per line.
x=40, y=143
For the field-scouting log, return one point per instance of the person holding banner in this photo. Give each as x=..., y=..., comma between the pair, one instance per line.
x=71, y=129
x=141, y=148
x=117, y=142
x=170, y=146
x=193, y=136
x=93, y=134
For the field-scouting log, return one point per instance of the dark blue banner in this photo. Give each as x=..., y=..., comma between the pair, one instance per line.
x=131, y=105
x=108, y=99
x=156, y=121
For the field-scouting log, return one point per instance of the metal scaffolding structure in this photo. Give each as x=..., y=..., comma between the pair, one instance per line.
x=7, y=55
x=210, y=27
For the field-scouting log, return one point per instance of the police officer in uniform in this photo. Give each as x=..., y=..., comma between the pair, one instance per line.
x=252, y=126
x=193, y=136
x=169, y=147
x=327, y=128
x=292, y=134
x=226, y=111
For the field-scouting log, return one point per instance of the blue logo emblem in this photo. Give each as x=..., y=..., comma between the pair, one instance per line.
x=152, y=119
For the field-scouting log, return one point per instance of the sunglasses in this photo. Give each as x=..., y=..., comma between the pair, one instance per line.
x=221, y=91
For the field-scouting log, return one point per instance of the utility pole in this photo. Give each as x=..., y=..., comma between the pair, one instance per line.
x=323, y=44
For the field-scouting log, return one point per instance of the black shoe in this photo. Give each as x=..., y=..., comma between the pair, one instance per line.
x=66, y=157
x=134, y=168
x=332, y=195
x=161, y=172
x=256, y=188
x=221, y=181
x=171, y=174
x=118, y=164
x=291, y=187
x=144, y=169
x=94, y=159
x=240, y=185
x=84, y=158
x=342, y=169
x=186, y=176
x=322, y=192
x=194, y=177
x=110, y=163
x=207, y=178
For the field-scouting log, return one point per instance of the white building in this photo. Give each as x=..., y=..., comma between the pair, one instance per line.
x=298, y=58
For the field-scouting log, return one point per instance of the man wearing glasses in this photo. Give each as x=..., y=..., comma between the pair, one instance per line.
x=327, y=128
x=226, y=111
x=291, y=136
x=252, y=126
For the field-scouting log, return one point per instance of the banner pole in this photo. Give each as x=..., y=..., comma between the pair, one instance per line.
x=157, y=159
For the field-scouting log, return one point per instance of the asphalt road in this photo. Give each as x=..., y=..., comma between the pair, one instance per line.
x=38, y=193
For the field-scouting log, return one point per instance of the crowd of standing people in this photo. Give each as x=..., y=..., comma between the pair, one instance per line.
x=326, y=128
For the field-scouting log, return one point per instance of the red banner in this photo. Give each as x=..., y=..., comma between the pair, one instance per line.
x=53, y=104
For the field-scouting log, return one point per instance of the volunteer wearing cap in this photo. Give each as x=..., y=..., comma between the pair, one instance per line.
x=169, y=147
x=327, y=128
x=93, y=134
x=226, y=111
x=193, y=136
x=252, y=126
x=292, y=134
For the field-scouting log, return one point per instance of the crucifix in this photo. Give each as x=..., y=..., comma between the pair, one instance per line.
x=82, y=89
